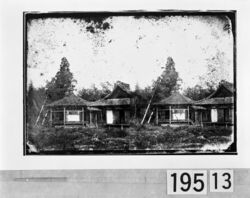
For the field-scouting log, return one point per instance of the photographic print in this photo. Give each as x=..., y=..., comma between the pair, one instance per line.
x=130, y=82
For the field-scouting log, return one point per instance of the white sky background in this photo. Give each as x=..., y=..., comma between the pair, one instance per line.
x=132, y=51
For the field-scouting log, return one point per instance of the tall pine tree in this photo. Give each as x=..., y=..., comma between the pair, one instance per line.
x=168, y=81
x=61, y=84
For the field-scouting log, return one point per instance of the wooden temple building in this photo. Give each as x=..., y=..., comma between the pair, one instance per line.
x=218, y=108
x=116, y=107
x=175, y=109
x=73, y=111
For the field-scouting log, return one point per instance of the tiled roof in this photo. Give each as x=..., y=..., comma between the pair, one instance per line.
x=228, y=86
x=70, y=100
x=121, y=90
x=175, y=99
x=111, y=102
x=224, y=98
x=211, y=101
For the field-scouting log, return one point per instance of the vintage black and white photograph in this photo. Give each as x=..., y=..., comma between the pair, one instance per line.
x=130, y=82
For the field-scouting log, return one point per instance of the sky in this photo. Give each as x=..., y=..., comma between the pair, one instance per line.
x=130, y=49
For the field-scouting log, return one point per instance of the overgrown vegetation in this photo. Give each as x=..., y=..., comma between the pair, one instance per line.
x=134, y=138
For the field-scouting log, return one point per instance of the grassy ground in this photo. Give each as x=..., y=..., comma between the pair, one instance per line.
x=134, y=138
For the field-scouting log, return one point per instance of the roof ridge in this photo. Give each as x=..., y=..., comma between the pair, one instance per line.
x=66, y=101
x=123, y=88
x=181, y=99
x=224, y=84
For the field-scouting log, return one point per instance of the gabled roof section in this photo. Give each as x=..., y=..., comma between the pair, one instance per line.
x=223, y=95
x=111, y=102
x=121, y=90
x=229, y=86
x=216, y=101
x=120, y=96
x=175, y=99
x=70, y=100
x=225, y=89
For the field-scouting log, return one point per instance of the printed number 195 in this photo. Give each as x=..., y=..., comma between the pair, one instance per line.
x=187, y=181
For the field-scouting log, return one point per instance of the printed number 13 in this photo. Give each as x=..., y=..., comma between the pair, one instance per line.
x=221, y=181
x=227, y=180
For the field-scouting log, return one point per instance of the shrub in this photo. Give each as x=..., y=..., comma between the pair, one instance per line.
x=181, y=128
x=210, y=130
x=143, y=140
x=38, y=136
x=194, y=129
x=117, y=144
x=148, y=136
x=116, y=132
x=63, y=138
x=217, y=131
x=55, y=138
x=135, y=123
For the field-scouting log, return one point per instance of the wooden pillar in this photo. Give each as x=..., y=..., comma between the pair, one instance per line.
x=169, y=114
x=64, y=116
x=188, y=114
x=50, y=117
x=96, y=119
x=101, y=116
x=90, y=117
x=157, y=116
x=196, y=117
x=106, y=116
x=83, y=116
x=201, y=119
x=224, y=114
